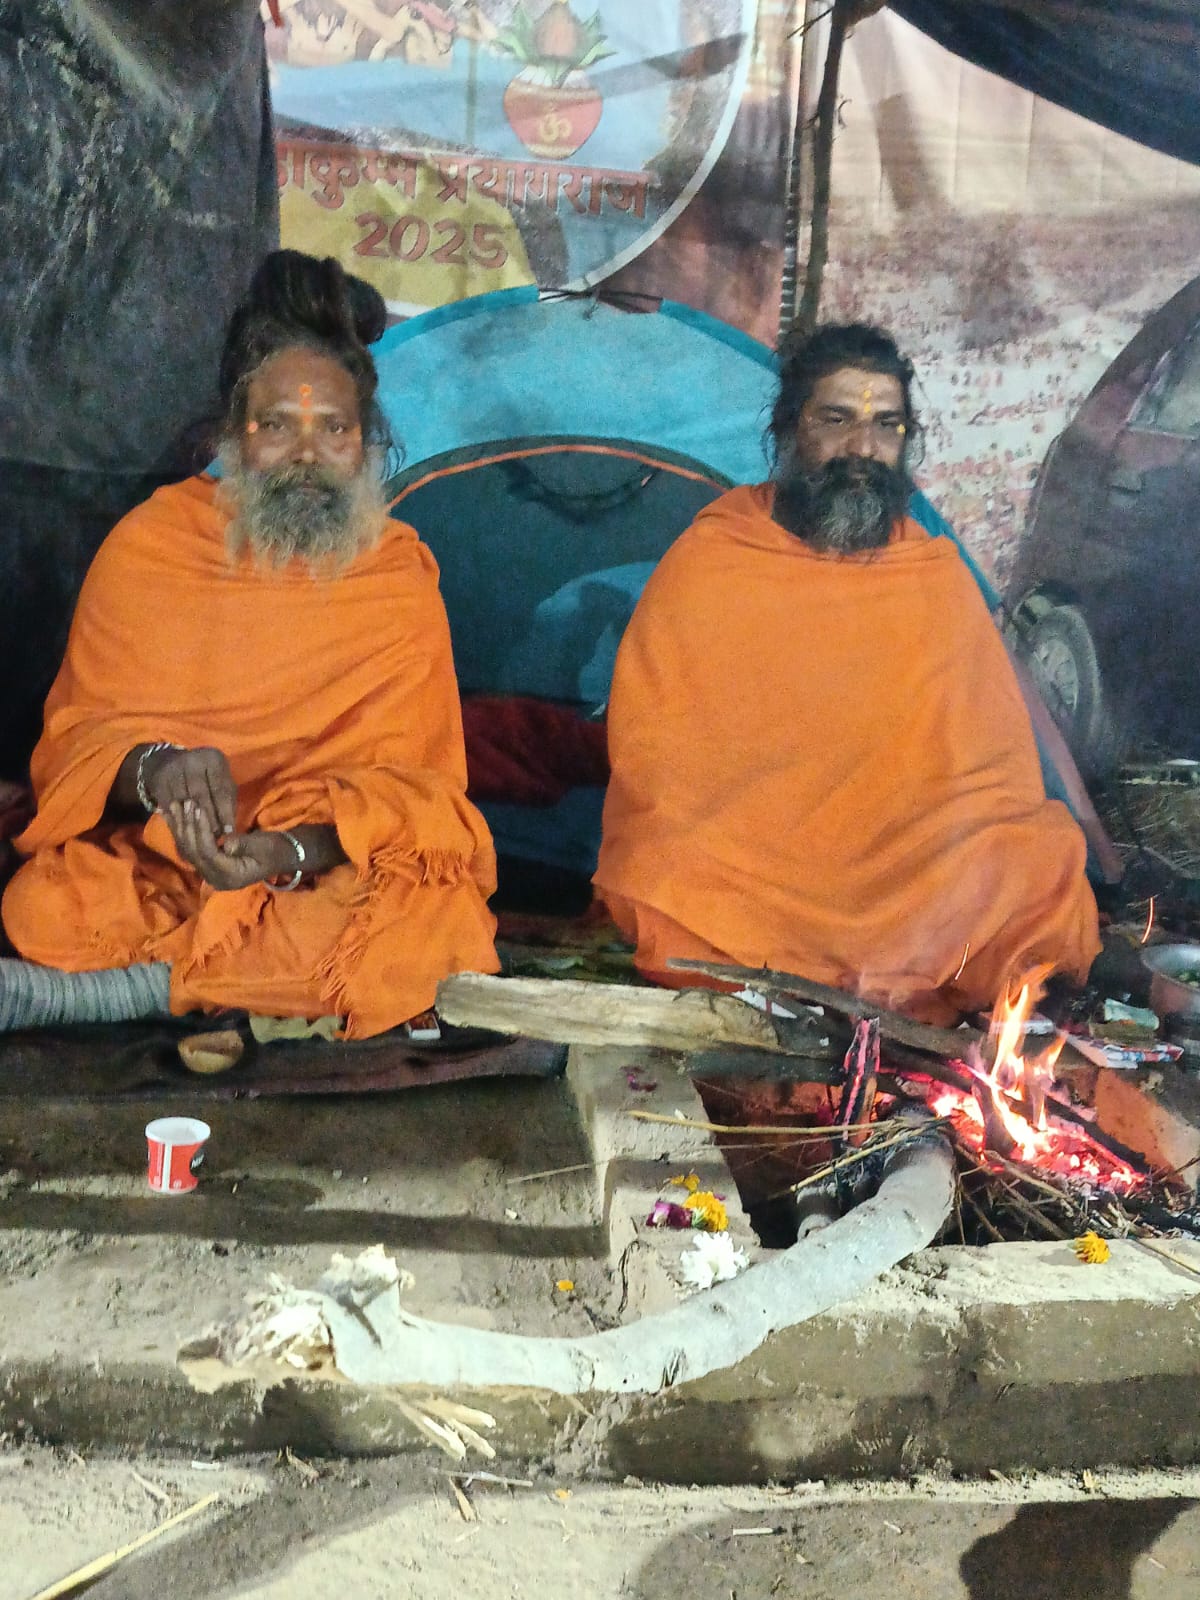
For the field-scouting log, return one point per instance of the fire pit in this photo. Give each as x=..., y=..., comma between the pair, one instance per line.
x=1028, y=1158
x=1034, y=1161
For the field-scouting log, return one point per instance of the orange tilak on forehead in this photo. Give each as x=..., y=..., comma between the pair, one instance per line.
x=252, y=427
x=306, y=398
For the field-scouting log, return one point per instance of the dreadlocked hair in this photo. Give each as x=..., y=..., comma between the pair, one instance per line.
x=806, y=358
x=300, y=300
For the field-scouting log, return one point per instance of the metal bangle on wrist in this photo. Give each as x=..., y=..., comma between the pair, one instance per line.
x=301, y=857
x=144, y=800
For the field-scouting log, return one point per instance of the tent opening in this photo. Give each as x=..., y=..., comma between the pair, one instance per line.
x=545, y=545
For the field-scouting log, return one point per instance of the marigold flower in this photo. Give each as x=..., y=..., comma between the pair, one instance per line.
x=565, y=1285
x=690, y=1182
x=1092, y=1249
x=708, y=1211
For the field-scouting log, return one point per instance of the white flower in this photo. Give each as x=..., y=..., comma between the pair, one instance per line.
x=712, y=1259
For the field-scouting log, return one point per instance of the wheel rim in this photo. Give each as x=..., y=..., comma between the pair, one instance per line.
x=1057, y=673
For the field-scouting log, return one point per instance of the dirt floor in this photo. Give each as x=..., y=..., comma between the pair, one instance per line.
x=90, y=1260
x=389, y=1529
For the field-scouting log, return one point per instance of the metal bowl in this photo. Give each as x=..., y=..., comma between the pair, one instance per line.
x=1169, y=996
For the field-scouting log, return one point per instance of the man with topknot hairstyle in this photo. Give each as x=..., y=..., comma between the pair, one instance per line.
x=251, y=781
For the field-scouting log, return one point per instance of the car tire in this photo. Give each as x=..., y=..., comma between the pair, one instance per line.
x=1058, y=648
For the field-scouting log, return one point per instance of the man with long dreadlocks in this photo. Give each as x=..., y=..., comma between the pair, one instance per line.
x=821, y=757
x=251, y=781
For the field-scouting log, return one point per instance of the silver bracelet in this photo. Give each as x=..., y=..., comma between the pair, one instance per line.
x=144, y=799
x=301, y=857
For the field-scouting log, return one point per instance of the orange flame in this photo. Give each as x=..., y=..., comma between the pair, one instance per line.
x=1013, y=1078
x=1149, y=921
x=1014, y=1084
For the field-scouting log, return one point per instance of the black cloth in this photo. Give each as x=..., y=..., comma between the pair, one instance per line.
x=139, y=195
x=1131, y=65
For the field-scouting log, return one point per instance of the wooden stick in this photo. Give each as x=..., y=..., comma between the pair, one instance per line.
x=1019, y=1201
x=1025, y=1176
x=911, y=1134
x=777, y=1130
x=826, y=119
x=102, y=1564
x=986, y=1223
x=161, y=1495
x=465, y=1509
x=920, y=1035
x=569, y=1011
x=1168, y=1255
x=557, y=1172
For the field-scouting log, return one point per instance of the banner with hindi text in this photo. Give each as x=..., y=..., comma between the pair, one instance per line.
x=446, y=150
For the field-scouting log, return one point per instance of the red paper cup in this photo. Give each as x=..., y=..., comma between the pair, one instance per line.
x=176, y=1149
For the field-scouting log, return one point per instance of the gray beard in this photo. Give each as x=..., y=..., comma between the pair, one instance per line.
x=304, y=512
x=845, y=507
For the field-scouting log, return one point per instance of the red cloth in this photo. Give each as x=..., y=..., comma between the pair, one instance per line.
x=530, y=752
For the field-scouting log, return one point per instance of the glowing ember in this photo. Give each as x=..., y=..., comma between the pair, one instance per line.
x=1010, y=1102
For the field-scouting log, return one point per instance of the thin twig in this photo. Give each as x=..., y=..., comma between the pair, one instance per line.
x=466, y=1509
x=1012, y=1195
x=555, y=1172
x=1027, y=1209
x=987, y=1225
x=95, y=1569
x=759, y=1128
x=468, y=1478
x=863, y=1153
x=161, y=1495
x=1175, y=1172
x=1052, y=1190
x=1168, y=1255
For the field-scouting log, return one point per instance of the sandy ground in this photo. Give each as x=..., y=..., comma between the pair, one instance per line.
x=392, y=1528
x=91, y=1261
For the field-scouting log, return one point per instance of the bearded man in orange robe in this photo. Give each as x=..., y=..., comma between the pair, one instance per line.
x=251, y=781
x=822, y=761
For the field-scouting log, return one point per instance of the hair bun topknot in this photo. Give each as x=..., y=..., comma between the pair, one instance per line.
x=315, y=295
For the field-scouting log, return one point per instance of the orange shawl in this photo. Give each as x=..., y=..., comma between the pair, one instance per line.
x=334, y=700
x=825, y=765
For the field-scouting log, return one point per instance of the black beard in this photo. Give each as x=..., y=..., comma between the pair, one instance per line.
x=848, y=505
x=303, y=511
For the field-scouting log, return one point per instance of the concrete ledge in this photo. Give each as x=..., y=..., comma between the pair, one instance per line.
x=1001, y=1358
x=1008, y=1357
x=635, y=1159
x=968, y=1361
x=153, y=1407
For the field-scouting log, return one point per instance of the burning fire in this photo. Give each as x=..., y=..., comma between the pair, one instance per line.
x=1007, y=1115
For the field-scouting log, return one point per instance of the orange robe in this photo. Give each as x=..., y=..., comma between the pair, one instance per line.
x=825, y=765
x=334, y=700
